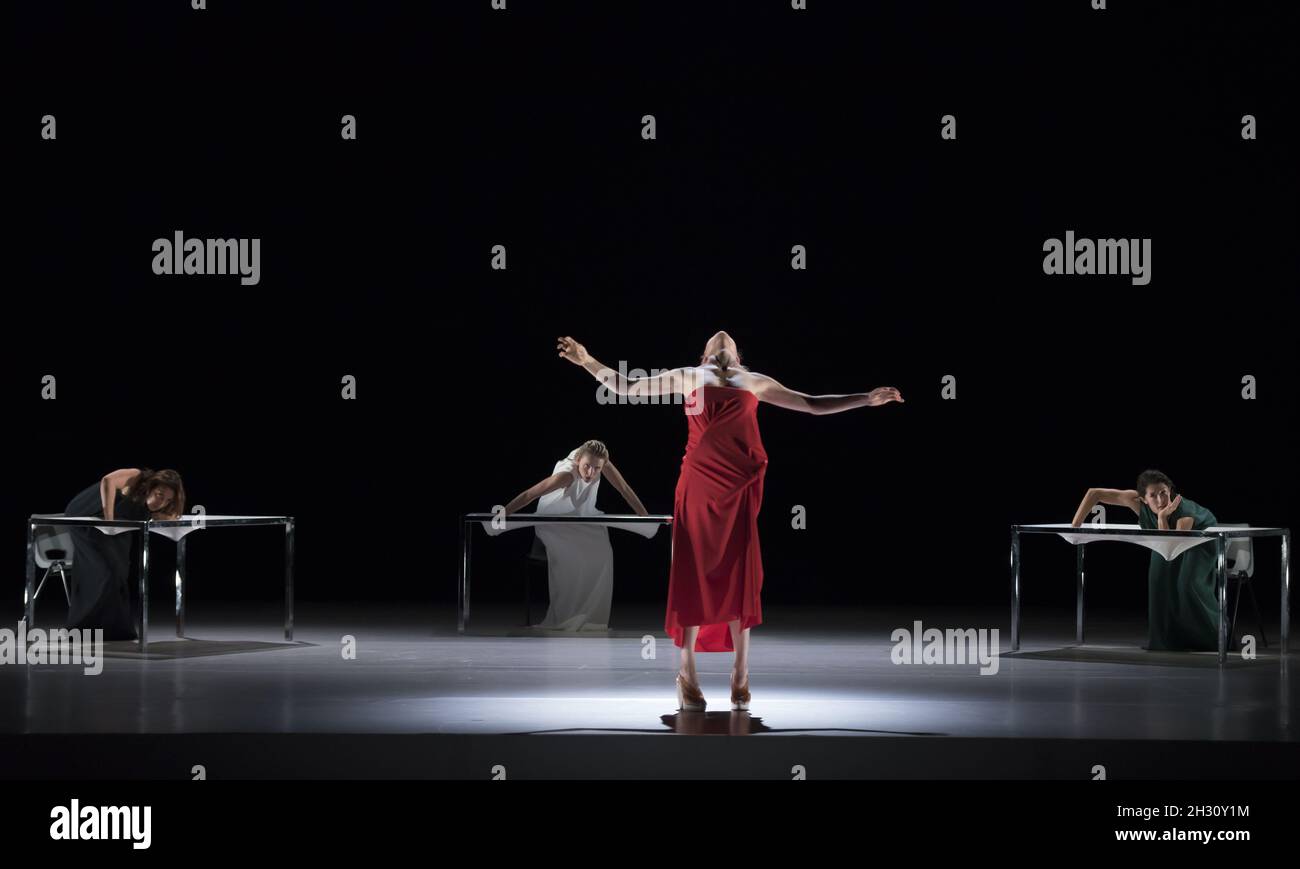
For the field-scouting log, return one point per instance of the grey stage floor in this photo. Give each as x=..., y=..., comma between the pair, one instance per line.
x=813, y=673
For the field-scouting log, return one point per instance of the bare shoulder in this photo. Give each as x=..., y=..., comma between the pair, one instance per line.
x=757, y=383
x=123, y=478
x=558, y=480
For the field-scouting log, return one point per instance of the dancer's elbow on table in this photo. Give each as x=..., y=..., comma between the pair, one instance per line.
x=1161, y=505
x=532, y=493
x=1115, y=497
x=768, y=389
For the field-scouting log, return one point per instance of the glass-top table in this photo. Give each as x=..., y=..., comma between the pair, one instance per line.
x=174, y=529
x=1169, y=544
x=493, y=522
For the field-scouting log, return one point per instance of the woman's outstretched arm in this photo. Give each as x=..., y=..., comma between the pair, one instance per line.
x=532, y=493
x=676, y=380
x=769, y=390
x=1120, y=497
x=624, y=489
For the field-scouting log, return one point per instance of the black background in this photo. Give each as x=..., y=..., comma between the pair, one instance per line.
x=775, y=128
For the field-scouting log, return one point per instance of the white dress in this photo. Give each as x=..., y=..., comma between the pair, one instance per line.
x=580, y=561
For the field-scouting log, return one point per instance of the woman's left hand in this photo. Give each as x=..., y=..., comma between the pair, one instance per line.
x=883, y=395
x=1171, y=506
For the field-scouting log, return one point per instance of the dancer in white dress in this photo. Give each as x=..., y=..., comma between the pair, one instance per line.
x=579, y=558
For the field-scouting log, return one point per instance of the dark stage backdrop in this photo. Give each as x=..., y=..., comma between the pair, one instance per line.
x=774, y=129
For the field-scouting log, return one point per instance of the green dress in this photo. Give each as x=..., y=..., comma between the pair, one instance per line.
x=1182, y=611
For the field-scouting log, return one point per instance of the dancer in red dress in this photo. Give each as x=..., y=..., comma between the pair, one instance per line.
x=717, y=566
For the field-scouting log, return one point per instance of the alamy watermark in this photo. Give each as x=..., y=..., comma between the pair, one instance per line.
x=1105, y=256
x=655, y=386
x=211, y=256
x=55, y=646
x=88, y=823
x=953, y=646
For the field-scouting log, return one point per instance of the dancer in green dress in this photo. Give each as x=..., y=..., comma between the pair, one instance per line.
x=1182, y=611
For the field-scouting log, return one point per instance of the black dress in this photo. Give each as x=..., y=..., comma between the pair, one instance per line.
x=100, y=590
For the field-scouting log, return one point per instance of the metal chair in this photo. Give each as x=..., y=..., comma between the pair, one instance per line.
x=1240, y=558
x=54, y=550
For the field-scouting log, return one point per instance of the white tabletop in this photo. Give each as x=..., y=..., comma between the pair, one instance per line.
x=1166, y=543
x=174, y=529
x=498, y=526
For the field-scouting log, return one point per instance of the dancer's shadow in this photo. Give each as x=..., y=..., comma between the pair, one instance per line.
x=730, y=723
x=1134, y=655
x=734, y=723
x=190, y=648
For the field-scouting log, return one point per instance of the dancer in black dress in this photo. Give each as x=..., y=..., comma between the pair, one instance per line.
x=100, y=592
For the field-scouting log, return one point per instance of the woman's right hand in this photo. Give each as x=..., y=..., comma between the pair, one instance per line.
x=572, y=351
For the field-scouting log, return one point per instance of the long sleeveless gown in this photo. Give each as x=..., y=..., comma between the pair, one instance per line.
x=717, y=569
x=1182, y=611
x=100, y=590
x=580, y=560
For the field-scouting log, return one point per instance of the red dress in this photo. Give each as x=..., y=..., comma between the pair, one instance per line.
x=717, y=569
